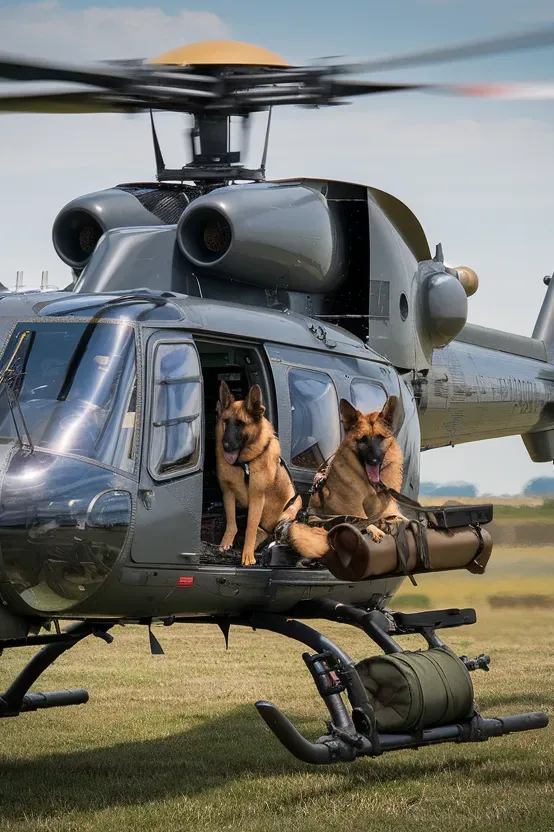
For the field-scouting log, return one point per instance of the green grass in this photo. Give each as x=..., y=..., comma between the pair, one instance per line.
x=543, y=513
x=173, y=743
x=413, y=601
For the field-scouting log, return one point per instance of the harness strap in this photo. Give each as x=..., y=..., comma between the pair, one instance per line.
x=246, y=465
x=401, y=498
x=403, y=550
x=475, y=567
x=246, y=468
x=422, y=545
x=315, y=487
x=296, y=494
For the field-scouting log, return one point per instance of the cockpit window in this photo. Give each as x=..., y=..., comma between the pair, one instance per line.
x=177, y=408
x=76, y=386
x=315, y=418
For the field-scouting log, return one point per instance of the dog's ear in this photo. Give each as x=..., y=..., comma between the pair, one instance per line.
x=253, y=402
x=391, y=412
x=348, y=414
x=226, y=398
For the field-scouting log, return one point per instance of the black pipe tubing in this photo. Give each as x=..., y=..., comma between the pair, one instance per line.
x=54, y=699
x=292, y=739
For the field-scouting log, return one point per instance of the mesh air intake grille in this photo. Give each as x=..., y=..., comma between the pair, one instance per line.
x=166, y=204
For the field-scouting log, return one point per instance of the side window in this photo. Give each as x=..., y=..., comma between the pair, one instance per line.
x=315, y=418
x=367, y=397
x=177, y=407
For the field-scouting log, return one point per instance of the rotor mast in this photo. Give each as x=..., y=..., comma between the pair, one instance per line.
x=212, y=157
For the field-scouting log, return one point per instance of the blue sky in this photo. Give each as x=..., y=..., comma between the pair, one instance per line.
x=479, y=174
x=310, y=28
x=355, y=25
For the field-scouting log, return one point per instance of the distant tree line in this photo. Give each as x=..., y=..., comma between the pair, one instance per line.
x=540, y=487
x=448, y=489
x=537, y=487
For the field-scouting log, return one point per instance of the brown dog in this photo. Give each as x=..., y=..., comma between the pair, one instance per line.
x=368, y=455
x=245, y=437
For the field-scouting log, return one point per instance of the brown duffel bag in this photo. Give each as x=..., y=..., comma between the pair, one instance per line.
x=354, y=556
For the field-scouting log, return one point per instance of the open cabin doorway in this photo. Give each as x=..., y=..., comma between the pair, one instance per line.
x=240, y=365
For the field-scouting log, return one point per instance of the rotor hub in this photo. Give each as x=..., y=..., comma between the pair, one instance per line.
x=221, y=53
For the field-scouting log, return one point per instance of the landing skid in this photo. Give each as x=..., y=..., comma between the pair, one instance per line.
x=16, y=699
x=350, y=733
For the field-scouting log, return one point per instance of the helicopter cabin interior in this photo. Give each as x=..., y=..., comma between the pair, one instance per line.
x=314, y=406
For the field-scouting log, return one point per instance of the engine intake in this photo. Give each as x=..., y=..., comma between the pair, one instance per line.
x=267, y=234
x=208, y=236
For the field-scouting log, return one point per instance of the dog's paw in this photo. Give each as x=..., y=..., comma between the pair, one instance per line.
x=248, y=559
x=227, y=542
x=389, y=525
x=376, y=534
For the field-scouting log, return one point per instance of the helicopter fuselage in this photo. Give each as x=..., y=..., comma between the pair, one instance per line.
x=110, y=507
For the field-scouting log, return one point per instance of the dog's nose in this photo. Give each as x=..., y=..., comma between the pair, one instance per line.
x=374, y=456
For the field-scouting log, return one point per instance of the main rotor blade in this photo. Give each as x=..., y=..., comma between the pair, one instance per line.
x=528, y=90
x=64, y=103
x=137, y=97
x=506, y=43
x=510, y=91
x=101, y=101
x=110, y=75
x=16, y=68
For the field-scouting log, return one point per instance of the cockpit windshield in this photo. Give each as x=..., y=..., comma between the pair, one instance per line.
x=75, y=385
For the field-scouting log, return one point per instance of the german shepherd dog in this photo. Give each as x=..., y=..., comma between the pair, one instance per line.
x=244, y=436
x=368, y=455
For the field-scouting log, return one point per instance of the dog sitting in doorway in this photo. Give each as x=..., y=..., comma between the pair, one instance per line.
x=250, y=470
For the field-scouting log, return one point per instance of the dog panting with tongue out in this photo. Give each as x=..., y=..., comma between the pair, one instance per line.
x=368, y=456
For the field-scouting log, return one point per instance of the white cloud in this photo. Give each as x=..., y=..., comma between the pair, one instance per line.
x=50, y=30
x=479, y=175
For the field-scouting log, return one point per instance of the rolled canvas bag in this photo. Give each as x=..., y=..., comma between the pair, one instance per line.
x=412, y=691
x=354, y=556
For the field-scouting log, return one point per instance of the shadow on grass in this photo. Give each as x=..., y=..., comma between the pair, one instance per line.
x=526, y=701
x=219, y=753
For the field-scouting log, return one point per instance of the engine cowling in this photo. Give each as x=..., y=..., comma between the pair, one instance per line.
x=80, y=224
x=273, y=235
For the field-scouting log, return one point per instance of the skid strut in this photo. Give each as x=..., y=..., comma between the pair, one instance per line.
x=334, y=672
x=16, y=699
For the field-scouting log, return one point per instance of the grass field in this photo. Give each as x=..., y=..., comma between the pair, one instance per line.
x=168, y=743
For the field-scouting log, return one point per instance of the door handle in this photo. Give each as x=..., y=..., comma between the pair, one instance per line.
x=147, y=497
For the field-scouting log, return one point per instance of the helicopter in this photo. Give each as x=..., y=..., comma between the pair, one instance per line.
x=315, y=290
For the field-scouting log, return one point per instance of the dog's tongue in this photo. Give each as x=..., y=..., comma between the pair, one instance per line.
x=373, y=474
x=231, y=458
